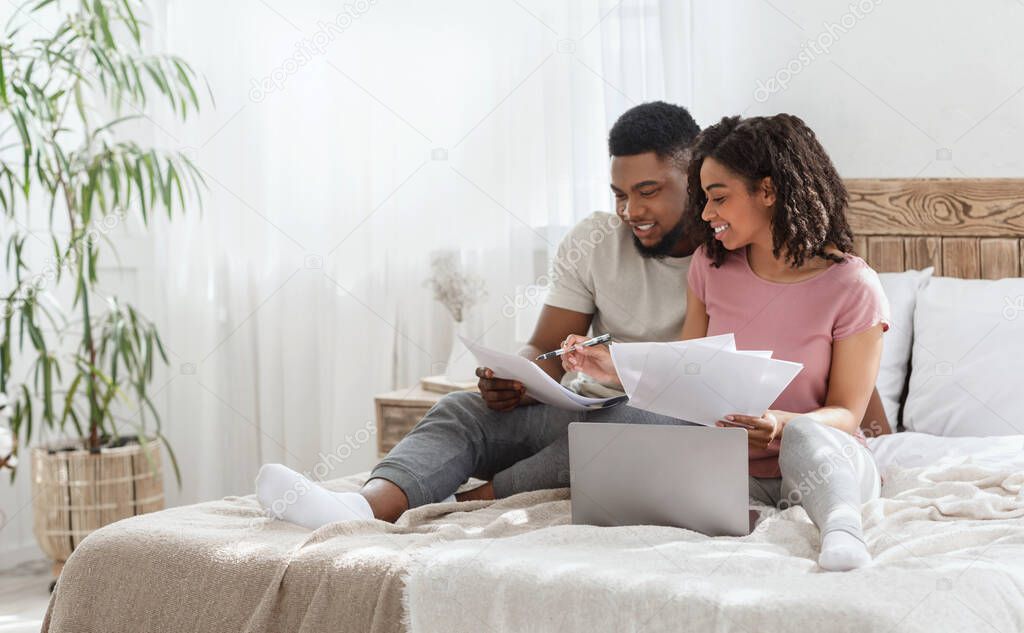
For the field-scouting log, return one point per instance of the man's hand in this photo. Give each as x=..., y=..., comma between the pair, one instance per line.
x=501, y=394
x=761, y=431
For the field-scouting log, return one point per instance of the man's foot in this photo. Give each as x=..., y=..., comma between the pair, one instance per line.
x=289, y=496
x=842, y=551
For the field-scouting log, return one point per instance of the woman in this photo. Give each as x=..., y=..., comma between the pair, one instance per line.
x=775, y=268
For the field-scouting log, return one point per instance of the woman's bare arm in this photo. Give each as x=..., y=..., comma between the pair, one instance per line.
x=875, y=421
x=696, y=323
x=851, y=381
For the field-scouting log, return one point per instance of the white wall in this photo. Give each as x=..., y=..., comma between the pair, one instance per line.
x=908, y=80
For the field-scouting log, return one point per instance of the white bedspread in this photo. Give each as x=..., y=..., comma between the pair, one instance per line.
x=913, y=450
x=948, y=544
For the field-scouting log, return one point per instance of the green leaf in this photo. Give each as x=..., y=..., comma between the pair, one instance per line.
x=160, y=346
x=35, y=334
x=184, y=79
x=104, y=21
x=78, y=423
x=83, y=114
x=173, y=173
x=47, y=389
x=115, y=122
x=131, y=21
x=93, y=256
x=157, y=75
x=165, y=188
x=3, y=81
x=26, y=398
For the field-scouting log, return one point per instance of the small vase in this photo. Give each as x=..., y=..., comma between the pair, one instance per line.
x=461, y=365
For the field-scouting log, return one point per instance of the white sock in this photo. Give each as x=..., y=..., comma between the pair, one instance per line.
x=842, y=551
x=289, y=496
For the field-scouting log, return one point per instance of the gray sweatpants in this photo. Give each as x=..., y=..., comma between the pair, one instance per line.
x=823, y=469
x=519, y=450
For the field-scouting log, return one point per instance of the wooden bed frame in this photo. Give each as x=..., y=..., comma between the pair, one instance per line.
x=967, y=228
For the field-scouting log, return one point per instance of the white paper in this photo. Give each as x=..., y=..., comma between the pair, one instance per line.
x=538, y=383
x=701, y=380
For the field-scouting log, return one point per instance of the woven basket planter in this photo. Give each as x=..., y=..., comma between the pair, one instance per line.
x=76, y=492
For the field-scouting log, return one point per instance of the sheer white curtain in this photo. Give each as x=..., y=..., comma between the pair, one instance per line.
x=348, y=144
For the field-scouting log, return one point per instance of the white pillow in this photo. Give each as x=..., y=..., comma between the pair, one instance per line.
x=901, y=289
x=968, y=358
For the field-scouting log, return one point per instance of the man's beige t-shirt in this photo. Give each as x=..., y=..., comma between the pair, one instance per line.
x=597, y=270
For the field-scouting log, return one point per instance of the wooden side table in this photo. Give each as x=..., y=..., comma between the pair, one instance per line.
x=398, y=411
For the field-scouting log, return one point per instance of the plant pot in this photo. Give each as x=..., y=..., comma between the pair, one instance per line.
x=75, y=491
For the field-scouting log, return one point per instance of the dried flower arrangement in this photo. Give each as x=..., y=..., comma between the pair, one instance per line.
x=455, y=290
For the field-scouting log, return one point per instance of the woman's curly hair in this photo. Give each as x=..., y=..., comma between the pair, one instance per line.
x=811, y=200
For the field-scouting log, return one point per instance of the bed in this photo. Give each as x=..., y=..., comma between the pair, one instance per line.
x=947, y=535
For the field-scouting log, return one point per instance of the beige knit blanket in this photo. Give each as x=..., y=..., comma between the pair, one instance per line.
x=221, y=567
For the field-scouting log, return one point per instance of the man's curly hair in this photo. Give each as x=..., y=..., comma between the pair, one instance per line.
x=663, y=128
x=811, y=200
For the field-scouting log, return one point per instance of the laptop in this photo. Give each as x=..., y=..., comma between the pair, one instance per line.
x=692, y=477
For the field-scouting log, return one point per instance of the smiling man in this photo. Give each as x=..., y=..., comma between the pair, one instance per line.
x=623, y=274
x=632, y=282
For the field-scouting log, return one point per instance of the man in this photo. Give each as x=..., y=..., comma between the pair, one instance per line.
x=622, y=274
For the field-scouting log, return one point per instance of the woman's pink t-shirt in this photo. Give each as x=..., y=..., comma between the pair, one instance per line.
x=797, y=321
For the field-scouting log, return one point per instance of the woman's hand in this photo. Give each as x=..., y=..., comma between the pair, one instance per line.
x=594, y=361
x=761, y=431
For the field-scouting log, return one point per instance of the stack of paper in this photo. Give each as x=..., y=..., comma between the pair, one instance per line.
x=538, y=384
x=701, y=380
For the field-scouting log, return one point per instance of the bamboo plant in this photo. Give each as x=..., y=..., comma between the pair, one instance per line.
x=69, y=174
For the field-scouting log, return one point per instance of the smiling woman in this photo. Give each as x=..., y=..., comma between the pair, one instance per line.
x=775, y=269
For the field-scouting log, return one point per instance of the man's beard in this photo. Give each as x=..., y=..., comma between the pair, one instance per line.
x=665, y=246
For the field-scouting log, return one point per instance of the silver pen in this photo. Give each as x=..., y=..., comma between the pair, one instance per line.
x=597, y=340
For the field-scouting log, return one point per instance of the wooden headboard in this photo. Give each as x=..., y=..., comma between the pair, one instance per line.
x=967, y=228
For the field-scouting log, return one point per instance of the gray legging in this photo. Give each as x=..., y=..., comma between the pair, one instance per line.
x=826, y=471
x=527, y=448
